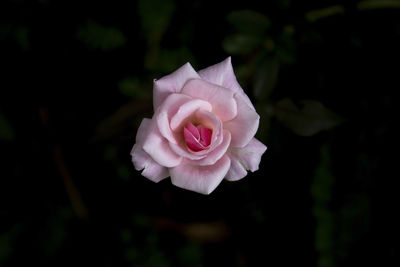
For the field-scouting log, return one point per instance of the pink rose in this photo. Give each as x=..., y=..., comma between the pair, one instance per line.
x=202, y=130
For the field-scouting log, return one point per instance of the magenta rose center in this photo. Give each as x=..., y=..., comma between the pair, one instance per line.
x=198, y=137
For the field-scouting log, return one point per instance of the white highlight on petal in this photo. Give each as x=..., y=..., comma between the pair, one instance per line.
x=142, y=161
x=245, y=158
x=157, y=147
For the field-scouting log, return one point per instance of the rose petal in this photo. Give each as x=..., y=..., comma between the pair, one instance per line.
x=193, y=130
x=164, y=113
x=195, y=140
x=205, y=135
x=210, y=121
x=181, y=150
x=217, y=153
x=184, y=111
x=236, y=172
x=246, y=158
x=222, y=74
x=201, y=179
x=157, y=147
x=221, y=99
x=142, y=161
x=244, y=126
x=172, y=83
x=191, y=141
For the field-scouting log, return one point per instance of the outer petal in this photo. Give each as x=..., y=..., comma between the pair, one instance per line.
x=168, y=109
x=157, y=147
x=236, y=172
x=172, y=83
x=244, y=126
x=221, y=99
x=142, y=160
x=201, y=179
x=246, y=158
x=222, y=74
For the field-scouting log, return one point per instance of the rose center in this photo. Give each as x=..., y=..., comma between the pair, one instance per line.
x=197, y=138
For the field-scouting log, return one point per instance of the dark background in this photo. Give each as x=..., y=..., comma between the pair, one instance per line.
x=76, y=81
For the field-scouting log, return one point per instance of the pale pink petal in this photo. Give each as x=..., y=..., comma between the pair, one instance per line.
x=236, y=172
x=244, y=126
x=217, y=153
x=187, y=109
x=209, y=120
x=157, y=147
x=205, y=135
x=155, y=172
x=201, y=179
x=246, y=158
x=142, y=161
x=181, y=150
x=191, y=141
x=195, y=140
x=172, y=83
x=165, y=112
x=193, y=130
x=222, y=74
x=221, y=99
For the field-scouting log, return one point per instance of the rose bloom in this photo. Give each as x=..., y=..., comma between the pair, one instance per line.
x=202, y=130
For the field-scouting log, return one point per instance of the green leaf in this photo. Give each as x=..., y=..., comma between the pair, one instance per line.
x=132, y=87
x=311, y=118
x=190, y=254
x=171, y=59
x=240, y=44
x=155, y=16
x=266, y=77
x=248, y=21
x=120, y=120
x=8, y=241
x=286, y=46
x=22, y=37
x=96, y=36
x=6, y=131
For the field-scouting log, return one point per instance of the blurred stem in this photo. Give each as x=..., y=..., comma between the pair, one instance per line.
x=153, y=50
x=321, y=190
x=315, y=15
x=374, y=4
x=318, y=14
x=72, y=191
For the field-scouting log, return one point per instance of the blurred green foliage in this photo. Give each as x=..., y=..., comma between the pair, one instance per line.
x=96, y=36
x=308, y=120
x=6, y=131
x=322, y=192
